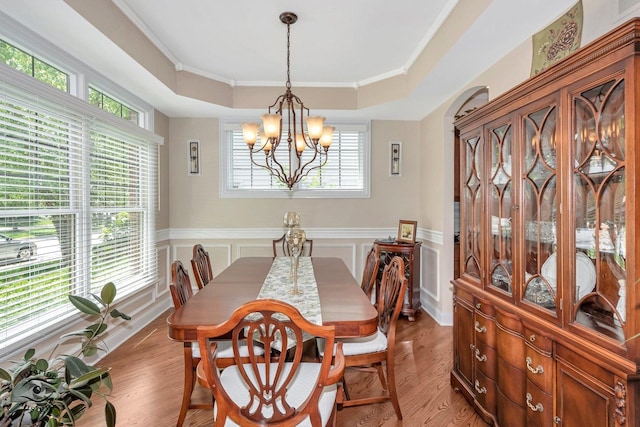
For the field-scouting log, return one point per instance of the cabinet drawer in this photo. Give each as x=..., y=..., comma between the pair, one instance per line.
x=541, y=342
x=511, y=381
x=510, y=346
x=484, y=307
x=486, y=359
x=510, y=414
x=485, y=329
x=539, y=406
x=485, y=392
x=539, y=369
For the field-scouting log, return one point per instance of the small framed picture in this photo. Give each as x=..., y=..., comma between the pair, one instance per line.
x=395, y=155
x=193, y=158
x=407, y=231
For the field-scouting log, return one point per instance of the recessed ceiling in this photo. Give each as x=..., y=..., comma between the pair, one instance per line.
x=335, y=43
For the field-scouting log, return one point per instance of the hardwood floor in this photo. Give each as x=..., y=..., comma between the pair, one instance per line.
x=147, y=375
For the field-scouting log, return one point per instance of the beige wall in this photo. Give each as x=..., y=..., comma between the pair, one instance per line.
x=196, y=203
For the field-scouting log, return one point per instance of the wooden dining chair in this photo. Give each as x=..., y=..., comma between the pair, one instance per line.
x=370, y=273
x=280, y=247
x=379, y=347
x=276, y=391
x=181, y=292
x=201, y=265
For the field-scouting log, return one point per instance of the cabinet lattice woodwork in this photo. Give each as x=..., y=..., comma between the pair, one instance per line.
x=546, y=306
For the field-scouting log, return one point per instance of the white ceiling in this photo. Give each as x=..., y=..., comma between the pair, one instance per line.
x=335, y=43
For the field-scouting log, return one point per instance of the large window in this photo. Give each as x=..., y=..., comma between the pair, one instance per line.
x=77, y=195
x=345, y=174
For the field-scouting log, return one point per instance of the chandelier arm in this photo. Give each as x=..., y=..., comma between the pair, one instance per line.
x=315, y=167
x=274, y=172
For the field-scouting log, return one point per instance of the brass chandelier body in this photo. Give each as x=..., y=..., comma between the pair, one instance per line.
x=289, y=107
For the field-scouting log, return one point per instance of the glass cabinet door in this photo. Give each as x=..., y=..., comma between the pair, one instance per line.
x=599, y=288
x=540, y=208
x=500, y=189
x=472, y=205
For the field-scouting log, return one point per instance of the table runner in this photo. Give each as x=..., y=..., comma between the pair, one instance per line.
x=279, y=285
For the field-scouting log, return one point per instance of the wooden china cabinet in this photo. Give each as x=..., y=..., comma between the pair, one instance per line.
x=547, y=306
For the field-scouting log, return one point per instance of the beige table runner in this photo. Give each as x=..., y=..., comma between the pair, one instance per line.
x=279, y=285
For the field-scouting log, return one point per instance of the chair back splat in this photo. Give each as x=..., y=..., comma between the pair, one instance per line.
x=280, y=247
x=201, y=266
x=266, y=390
x=370, y=273
x=180, y=286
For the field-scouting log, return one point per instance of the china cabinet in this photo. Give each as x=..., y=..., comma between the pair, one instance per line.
x=546, y=306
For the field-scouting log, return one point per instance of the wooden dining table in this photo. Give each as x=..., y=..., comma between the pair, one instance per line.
x=342, y=302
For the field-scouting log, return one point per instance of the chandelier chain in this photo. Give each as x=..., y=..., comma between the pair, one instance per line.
x=288, y=56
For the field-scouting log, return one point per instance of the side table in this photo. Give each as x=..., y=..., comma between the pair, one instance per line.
x=410, y=253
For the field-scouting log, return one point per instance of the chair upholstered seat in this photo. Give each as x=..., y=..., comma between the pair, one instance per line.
x=225, y=349
x=299, y=389
x=357, y=346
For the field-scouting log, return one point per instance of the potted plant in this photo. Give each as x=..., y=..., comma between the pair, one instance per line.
x=56, y=392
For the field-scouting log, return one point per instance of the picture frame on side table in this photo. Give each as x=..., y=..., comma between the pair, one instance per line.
x=407, y=231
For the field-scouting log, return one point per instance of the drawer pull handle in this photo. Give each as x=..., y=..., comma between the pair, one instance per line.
x=482, y=358
x=535, y=408
x=472, y=347
x=537, y=370
x=480, y=390
x=532, y=338
x=478, y=305
x=480, y=329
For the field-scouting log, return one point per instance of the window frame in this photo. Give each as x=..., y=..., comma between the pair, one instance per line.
x=80, y=77
x=296, y=192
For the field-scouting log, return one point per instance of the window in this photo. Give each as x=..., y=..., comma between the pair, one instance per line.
x=77, y=197
x=345, y=174
x=30, y=65
x=108, y=103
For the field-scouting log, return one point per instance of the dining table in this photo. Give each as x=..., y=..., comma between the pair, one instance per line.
x=342, y=302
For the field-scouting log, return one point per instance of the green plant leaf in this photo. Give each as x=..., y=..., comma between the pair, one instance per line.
x=80, y=333
x=84, y=305
x=108, y=293
x=42, y=365
x=76, y=366
x=89, y=350
x=86, y=378
x=52, y=422
x=4, y=375
x=81, y=394
x=116, y=313
x=97, y=328
x=107, y=382
x=97, y=298
x=110, y=414
x=29, y=354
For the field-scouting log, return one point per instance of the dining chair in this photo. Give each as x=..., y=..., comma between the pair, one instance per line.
x=201, y=265
x=271, y=391
x=379, y=347
x=370, y=273
x=280, y=247
x=181, y=292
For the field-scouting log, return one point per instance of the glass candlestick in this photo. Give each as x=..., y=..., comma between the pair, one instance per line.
x=295, y=238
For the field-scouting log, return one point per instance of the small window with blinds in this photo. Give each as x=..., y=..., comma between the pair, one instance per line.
x=77, y=197
x=345, y=173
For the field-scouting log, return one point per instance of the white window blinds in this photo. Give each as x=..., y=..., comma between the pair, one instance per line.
x=77, y=187
x=345, y=174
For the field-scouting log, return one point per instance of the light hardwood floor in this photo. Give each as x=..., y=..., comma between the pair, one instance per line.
x=147, y=374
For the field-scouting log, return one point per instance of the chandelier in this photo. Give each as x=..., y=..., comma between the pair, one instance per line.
x=287, y=164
